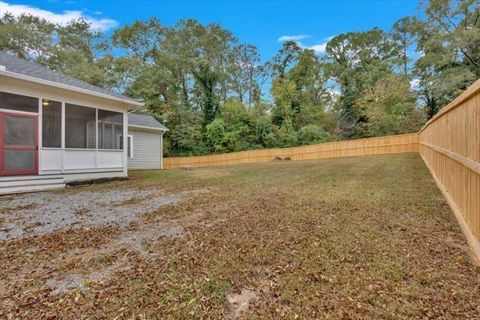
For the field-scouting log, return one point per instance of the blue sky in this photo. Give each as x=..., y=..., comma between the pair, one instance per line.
x=261, y=23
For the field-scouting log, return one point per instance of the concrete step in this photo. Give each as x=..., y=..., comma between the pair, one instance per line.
x=31, y=188
x=34, y=182
x=29, y=178
x=21, y=184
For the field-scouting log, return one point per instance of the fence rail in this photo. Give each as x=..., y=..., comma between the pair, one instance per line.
x=450, y=146
x=361, y=147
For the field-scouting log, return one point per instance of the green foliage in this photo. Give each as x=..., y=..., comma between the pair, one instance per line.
x=264, y=136
x=206, y=87
x=300, y=82
x=74, y=49
x=287, y=99
x=403, y=34
x=286, y=136
x=357, y=61
x=449, y=41
x=236, y=128
x=312, y=134
x=389, y=108
x=188, y=138
x=317, y=116
x=216, y=137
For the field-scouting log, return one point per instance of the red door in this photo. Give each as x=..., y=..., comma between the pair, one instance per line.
x=18, y=144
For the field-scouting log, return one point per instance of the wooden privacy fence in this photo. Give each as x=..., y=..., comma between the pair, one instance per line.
x=361, y=147
x=450, y=146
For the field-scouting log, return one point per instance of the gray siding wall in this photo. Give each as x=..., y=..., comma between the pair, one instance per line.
x=147, y=149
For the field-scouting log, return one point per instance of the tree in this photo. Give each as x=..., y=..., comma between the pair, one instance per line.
x=403, y=33
x=449, y=44
x=300, y=83
x=389, y=108
x=246, y=74
x=26, y=36
x=75, y=48
x=82, y=52
x=190, y=61
x=284, y=59
x=357, y=60
x=141, y=39
x=207, y=87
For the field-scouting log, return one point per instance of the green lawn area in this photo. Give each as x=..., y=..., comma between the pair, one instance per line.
x=364, y=238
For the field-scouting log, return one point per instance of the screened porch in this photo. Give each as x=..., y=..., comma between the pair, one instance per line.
x=48, y=136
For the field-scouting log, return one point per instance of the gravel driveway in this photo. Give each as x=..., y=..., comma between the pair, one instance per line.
x=39, y=213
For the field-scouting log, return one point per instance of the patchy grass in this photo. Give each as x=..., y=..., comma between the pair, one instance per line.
x=365, y=238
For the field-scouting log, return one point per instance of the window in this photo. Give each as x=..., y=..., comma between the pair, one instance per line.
x=79, y=127
x=18, y=103
x=129, y=144
x=110, y=125
x=51, y=124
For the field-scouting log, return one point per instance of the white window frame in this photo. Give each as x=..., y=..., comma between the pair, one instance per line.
x=130, y=144
x=129, y=141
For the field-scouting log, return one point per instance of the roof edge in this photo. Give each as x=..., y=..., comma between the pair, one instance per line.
x=147, y=127
x=70, y=88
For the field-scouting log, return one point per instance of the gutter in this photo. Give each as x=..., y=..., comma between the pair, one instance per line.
x=147, y=128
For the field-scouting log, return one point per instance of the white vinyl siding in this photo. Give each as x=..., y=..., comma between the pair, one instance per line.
x=147, y=152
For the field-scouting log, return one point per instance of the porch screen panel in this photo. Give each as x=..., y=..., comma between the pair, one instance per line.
x=18, y=142
x=18, y=131
x=18, y=160
x=79, y=127
x=18, y=102
x=51, y=124
x=110, y=128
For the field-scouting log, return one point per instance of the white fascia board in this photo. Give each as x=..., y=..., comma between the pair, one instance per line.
x=147, y=128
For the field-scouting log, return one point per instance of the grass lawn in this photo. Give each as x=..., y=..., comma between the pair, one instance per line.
x=364, y=238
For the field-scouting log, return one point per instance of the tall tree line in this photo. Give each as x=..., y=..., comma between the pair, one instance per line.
x=209, y=88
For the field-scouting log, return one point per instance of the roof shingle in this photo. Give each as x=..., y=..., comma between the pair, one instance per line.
x=144, y=121
x=27, y=68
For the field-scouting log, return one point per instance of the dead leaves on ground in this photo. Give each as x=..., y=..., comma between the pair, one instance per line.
x=271, y=241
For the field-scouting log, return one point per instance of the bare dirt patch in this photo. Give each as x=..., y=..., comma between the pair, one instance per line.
x=240, y=302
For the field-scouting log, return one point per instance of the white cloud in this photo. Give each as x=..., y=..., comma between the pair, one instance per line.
x=60, y=18
x=318, y=48
x=293, y=38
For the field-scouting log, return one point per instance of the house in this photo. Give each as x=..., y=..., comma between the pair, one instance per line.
x=55, y=129
x=145, y=142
